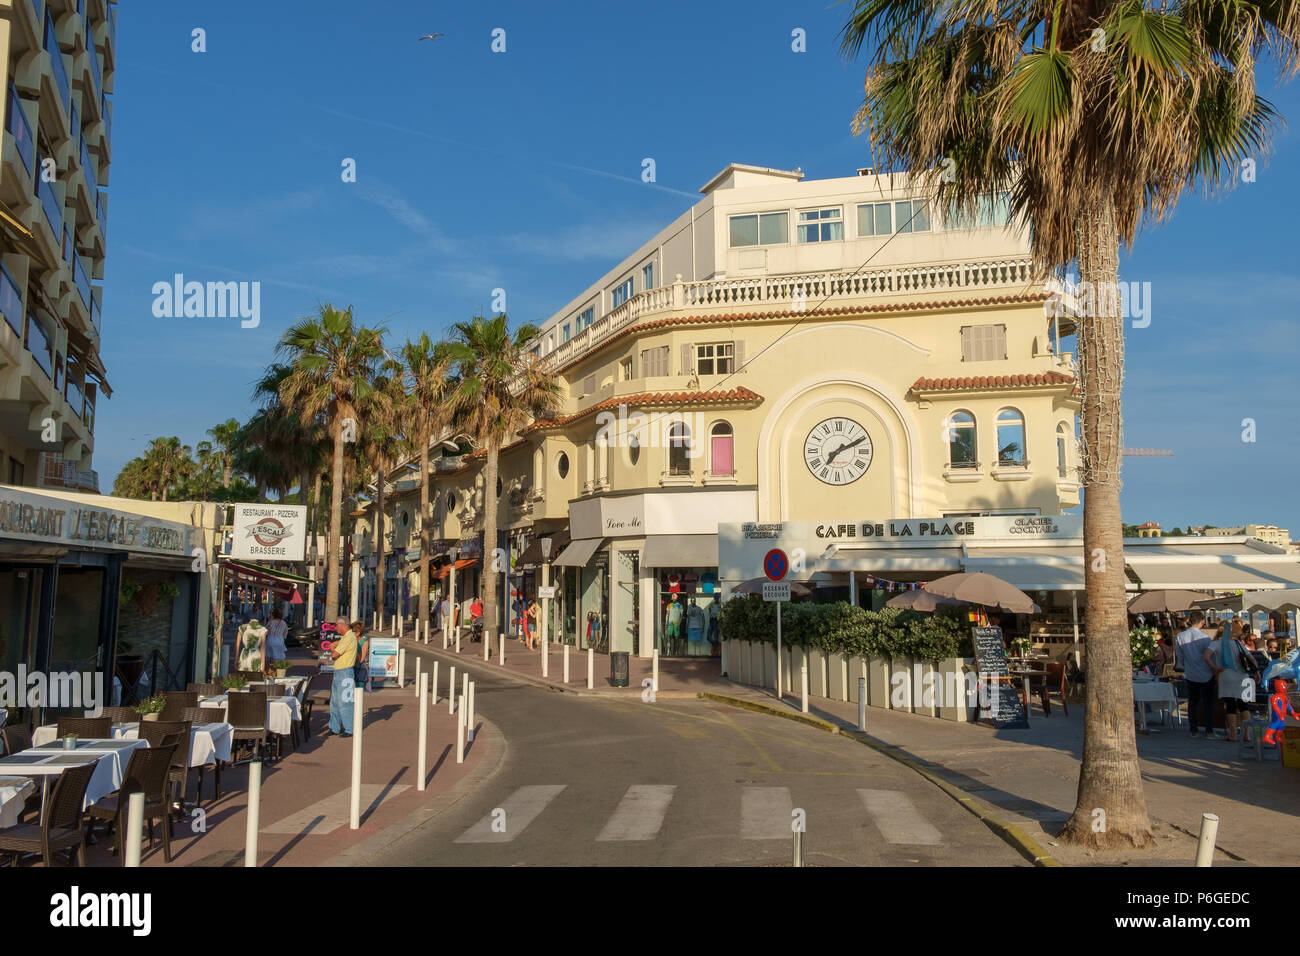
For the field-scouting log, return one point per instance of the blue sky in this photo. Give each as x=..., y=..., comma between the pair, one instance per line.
x=522, y=170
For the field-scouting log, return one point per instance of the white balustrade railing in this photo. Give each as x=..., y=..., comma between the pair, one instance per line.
x=808, y=290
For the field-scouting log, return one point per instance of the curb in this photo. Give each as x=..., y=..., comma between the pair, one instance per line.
x=1013, y=835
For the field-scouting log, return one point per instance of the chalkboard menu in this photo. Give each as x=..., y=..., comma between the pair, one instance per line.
x=1000, y=705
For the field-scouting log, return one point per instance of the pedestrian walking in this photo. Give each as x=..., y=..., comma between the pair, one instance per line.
x=530, y=624
x=1192, y=651
x=277, y=631
x=344, y=655
x=361, y=670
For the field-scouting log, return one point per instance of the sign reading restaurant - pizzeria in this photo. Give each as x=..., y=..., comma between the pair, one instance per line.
x=270, y=532
x=29, y=517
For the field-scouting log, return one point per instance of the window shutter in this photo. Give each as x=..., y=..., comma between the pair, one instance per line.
x=738, y=350
x=688, y=360
x=966, y=343
x=589, y=385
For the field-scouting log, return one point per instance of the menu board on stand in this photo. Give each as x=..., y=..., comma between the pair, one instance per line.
x=1000, y=705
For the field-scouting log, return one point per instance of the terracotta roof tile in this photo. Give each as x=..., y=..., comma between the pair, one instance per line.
x=991, y=381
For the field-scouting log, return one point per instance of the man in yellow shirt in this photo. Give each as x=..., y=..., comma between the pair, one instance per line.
x=344, y=654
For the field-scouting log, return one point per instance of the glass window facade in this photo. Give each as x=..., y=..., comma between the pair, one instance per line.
x=688, y=608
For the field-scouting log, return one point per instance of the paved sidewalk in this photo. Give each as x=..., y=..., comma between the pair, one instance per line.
x=678, y=678
x=305, y=803
x=1031, y=778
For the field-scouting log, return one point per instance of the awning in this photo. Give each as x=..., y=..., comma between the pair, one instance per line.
x=1280, y=600
x=1058, y=568
x=445, y=570
x=680, y=551
x=532, y=555
x=1212, y=574
x=885, y=561
x=578, y=553
x=259, y=575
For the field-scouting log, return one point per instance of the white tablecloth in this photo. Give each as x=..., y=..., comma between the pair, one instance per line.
x=207, y=741
x=1159, y=694
x=281, y=712
x=14, y=792
x=110, y=758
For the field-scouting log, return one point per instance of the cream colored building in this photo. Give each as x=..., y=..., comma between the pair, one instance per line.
x=1268, y=533
x=59, y=63
x=784, y=351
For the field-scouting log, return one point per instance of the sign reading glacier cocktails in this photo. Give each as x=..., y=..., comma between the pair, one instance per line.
x=270, y=532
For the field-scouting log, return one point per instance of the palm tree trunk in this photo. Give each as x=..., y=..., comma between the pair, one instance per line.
x=381, y=568
x=315, y=506
x=336, y=529
x=491, y=572
x=1111, y=809
x=225, y=473
x=426, y=538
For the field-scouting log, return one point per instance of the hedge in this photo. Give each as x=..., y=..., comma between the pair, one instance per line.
x=841, y=627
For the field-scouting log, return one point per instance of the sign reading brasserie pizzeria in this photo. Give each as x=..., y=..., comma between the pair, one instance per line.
x=270, y=532
x=29, y=517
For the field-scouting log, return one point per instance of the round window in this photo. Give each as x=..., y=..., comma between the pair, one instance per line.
x=451, y=502
x=633, y=450
x=562, y=465
x=406, y=517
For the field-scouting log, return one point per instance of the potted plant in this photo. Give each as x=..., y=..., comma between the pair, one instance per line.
x=1142, y=646
x=233, y=681
x=281, y=668
x=1021, y=646
x=151, y=707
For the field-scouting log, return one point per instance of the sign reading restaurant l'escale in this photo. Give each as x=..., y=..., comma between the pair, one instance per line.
x=28, y=517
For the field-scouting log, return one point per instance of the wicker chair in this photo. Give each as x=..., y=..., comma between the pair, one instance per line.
x=197, y=716
x=17, y=738
x=252, y=677
x=176, y=702
x=147, y=772
x=155, y=732
x=206, y=690
x=98, y=728
x=61, y=830
x=121, y=715
x=246, y=714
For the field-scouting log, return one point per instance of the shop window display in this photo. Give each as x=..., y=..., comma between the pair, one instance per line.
x=688, y=609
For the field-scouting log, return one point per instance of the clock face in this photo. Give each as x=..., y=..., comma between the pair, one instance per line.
x=837, y=451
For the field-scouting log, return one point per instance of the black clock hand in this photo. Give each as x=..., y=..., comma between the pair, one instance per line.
x=845, y=448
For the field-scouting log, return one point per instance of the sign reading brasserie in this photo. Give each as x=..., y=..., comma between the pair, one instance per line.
x=30, y=517
x=270, y=532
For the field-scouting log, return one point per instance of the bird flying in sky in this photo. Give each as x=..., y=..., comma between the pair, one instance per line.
x=430, y=36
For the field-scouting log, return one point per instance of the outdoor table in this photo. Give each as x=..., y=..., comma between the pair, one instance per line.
x=1160, y=693
x=207, y=741
x=1031, y=676
x=281, y=712
x=50, y=760
x=14, y=792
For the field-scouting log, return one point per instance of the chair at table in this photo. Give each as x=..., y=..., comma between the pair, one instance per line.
x=120, y=715
x=206, y=690
x=176, y=701
x=246, y=714
x=252, y=677
x=61, y=829
x=147, y=772
x=99, y=728
x=309, y=699
x=1055, y=682
x=154, y=732
x=197, y=716
x=17, y=738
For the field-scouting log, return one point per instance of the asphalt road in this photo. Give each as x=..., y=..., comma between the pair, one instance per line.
x=686, y=783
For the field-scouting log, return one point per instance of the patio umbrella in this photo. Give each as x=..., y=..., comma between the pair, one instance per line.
x=755, y=586
x=923, y=601
x=1165, y=600
x=984, y=589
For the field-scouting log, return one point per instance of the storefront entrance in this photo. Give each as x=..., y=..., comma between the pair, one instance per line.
x=687, y=605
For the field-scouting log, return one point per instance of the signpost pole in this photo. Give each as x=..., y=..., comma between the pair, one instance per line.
x=779, y=695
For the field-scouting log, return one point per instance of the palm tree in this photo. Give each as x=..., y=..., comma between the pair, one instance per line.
x=223, y=447
x=333, y=362
x=500, y=388
x=382, y=445
x=426, y=364
x=1096, y=118
x=133, y=480
x=166, y=463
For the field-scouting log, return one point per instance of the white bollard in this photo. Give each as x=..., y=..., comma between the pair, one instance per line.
x=444, y=637
x=591, y=669
x=566, y=663
x=434, y=683
x=422, y=680
x=374, y=620
x=356, y=757
x=401, y=668
x=1205, y=844
x=546, y=660
x=457, y=640
x=464, y=687
x=460, y=733
x=451, y=691
x=803, y=680
x=254, y=812
x=134, y=825
x=469, y=716
x=655, y=665
x=417, y=677
x=501, y=657
x=400, y=621
x=487, y=644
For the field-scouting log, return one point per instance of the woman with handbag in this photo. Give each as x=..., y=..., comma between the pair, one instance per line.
x=1229, y=668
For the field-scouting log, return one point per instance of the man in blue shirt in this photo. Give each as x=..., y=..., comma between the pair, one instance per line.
x=1192, y=649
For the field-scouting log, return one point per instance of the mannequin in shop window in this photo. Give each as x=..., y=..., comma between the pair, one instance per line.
x=593, y=629
x=695, y=621
x=673, y=621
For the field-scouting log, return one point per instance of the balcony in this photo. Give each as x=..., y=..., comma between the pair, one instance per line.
x=39, y=344
x=50, y=203
x=76, y=398
x=101, y=210
x=95, y=73
x=17, y=126
x=108, y=117
x=11, y=301
x=94, y=315
x=51, y=44
x=793, y=292
x=112, y=27
x=81, y=279
x=57, y=473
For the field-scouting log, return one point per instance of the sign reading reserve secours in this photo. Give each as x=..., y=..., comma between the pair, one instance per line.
x=269, y=532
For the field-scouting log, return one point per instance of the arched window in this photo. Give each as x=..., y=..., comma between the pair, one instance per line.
x=959, y=431
x=451, y=502
x=722, y=450
x=679, y=449
x=1063, y=450
x=1011, y=438
x=633, y=450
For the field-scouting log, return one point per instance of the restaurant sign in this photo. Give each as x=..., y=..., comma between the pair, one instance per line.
x=28, y=517
x=270, y=532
